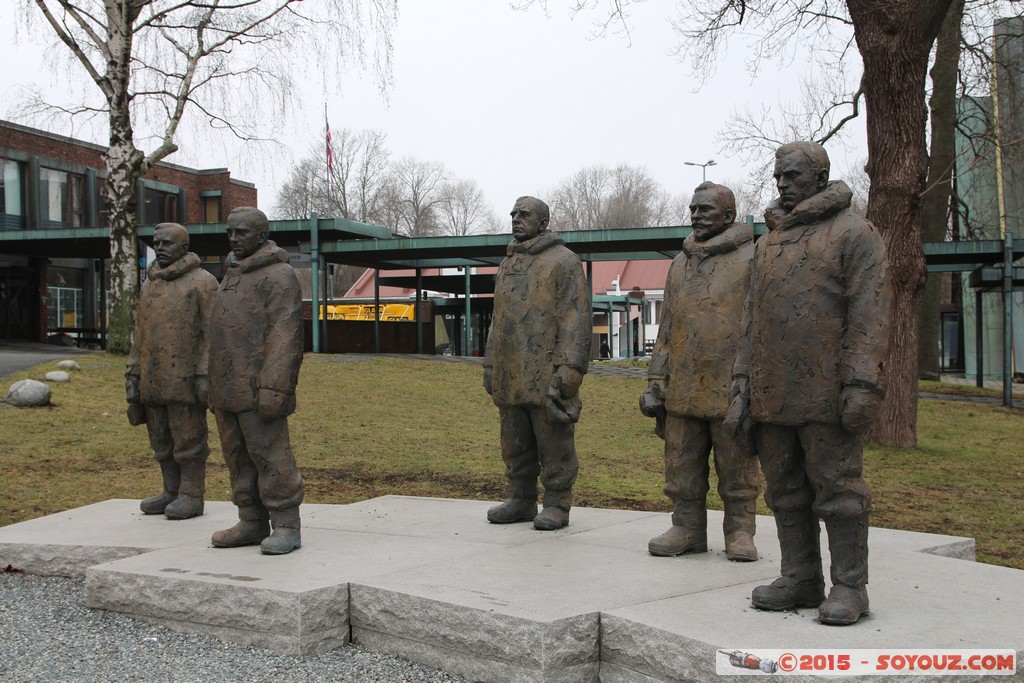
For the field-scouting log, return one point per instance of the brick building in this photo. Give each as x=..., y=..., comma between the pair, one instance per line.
x=53, y=229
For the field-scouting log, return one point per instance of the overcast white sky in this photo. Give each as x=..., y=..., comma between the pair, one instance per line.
x=515, y=100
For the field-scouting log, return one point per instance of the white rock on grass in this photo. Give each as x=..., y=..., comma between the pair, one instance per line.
x=58, y=376
x=29, y=392
x=68, y=365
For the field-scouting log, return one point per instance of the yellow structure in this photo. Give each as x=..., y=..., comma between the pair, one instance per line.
x=388, y=312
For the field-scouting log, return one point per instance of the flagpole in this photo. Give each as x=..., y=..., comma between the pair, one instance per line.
x=330, y=158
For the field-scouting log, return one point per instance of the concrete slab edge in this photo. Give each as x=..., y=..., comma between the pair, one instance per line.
x=469, y=665
x=62, y=560
x=449, y=626
x=287, y=622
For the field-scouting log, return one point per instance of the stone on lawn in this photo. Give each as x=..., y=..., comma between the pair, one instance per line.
x=58, y=376
x=29, y=392
x=68, y=365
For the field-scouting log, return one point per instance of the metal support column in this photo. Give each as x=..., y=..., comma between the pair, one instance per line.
x=103, y=303
x=595, y=349
x=419, y=300
x=324, y=268
x=314, y=277
x=1008, y=320
x=467, y=348
x=629, y=330
x=376, y=308
x=611, y=338
x=978, y=340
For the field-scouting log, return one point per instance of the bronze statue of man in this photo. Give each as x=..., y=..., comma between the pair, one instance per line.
x=255, y=354
x=166, y=375
x=811, y=375
x=538, y=350
x=690, y=375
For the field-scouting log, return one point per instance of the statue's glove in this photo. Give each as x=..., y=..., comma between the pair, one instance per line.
x=737, y=418
x=652, y=401
x=858, y=406
x=275, y=405
x=488, y=378
x=567, y=381
x=131, y=389
x=202, y=385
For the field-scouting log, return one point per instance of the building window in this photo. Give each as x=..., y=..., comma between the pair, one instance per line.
x=211, y=209
x=66, y=289
x=102, y=215
x=11, y=215
x=159, y=207
x=61, y=199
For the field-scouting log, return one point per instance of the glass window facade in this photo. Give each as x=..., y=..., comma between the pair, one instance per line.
x=211, y=209
x=12, y=215
x=66, y=290
x=61, y=199
x=159, y=207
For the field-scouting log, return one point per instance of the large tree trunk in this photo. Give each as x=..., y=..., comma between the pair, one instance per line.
x=894, y=39
x=124, y=162
x=125, y=165
x=935, y=202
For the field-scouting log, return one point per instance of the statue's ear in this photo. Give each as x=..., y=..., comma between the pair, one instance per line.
x=730, y=216
x=822, y=179
x=543, y=225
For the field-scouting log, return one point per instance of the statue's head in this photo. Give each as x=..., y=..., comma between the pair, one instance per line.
x=248, y=230
x=530, y=217
x=801, y=171
x=712, y=210
x=170, y=242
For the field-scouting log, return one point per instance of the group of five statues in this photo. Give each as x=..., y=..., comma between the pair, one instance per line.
x=773, y=352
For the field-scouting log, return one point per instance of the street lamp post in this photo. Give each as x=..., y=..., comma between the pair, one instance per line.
x=703, y=167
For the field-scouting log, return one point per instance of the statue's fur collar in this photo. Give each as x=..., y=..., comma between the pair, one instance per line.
x=733, y=237
x=815, y=209
x=182, y=266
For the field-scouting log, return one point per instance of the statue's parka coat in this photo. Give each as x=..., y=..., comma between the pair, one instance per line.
x=542, y=319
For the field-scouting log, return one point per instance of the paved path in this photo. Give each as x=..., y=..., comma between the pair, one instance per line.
x=16, y=356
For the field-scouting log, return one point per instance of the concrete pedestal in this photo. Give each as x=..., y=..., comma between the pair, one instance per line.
x=431, y=580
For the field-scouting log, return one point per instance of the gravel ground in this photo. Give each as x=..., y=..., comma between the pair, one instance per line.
x=48, y=634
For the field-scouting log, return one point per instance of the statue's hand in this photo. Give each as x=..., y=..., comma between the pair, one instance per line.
x=567, y=381
x=858, y=407
x=131, y=389
x=202, y=390
x=652, y=401
x=273, y=405
x=488, y=379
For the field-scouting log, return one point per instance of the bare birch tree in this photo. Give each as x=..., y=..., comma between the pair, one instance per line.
x=223, y=60
x=463, y=209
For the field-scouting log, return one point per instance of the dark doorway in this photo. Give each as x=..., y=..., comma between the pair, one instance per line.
x=19, y=297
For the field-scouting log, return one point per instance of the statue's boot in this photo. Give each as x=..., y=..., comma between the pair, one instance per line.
x=739, y=526
x=848, y=599
x=521, y=505
x=253, y=526
x=688, y=533
x=155, y=505
x=555, y=513
x=286, y=536
x=189, y=502
x=801, y=583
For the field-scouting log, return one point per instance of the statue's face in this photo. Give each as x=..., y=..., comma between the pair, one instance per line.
x=708, y=215
x=798, y=179
x=243, y=237
x=169, y=247
x=525, y=223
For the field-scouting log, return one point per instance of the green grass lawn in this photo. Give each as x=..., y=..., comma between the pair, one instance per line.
x=369, y=426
